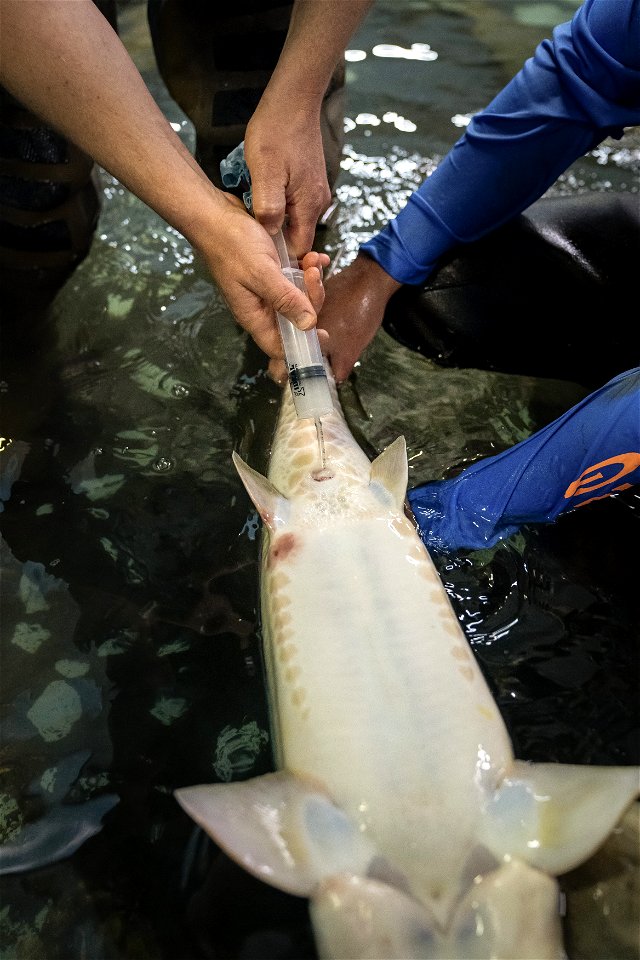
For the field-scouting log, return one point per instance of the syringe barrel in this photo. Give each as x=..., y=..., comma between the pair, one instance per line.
x=307, y=374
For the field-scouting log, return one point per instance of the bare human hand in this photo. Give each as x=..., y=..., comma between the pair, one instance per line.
x=354, y=304
x=244, y=262
x=312, y=265
x=283, y=140
x=288, y=173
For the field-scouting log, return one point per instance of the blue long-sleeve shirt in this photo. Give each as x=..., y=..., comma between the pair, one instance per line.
x=581, y=86
x=587, y=454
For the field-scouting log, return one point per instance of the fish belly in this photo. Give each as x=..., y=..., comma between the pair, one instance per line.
x=376, y=694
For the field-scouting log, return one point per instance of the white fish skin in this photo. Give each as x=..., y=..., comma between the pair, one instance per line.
x=399, y=799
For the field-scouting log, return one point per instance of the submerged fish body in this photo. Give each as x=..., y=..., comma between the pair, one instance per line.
x=398, y=807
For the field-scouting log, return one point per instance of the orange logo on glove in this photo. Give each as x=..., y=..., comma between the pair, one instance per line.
x=593, y=479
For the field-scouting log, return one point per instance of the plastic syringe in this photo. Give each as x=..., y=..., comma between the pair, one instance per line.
x=307, y=374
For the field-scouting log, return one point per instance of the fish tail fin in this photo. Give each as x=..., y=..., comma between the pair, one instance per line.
x=511, y=914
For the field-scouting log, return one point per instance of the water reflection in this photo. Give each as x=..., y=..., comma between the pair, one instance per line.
x=417, y=51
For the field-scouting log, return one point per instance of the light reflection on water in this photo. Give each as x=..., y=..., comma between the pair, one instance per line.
x=130, y=630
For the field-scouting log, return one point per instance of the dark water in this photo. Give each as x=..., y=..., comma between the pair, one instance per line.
x=130, y=639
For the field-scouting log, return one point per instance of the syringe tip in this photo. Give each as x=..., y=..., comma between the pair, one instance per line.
x=321, y=449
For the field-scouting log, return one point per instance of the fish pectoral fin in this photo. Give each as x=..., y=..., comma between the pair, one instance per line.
x=356, y=916
x=390, y=471
x=555, y=815
x=280, y=828
x=512, y=913
x=269, y=502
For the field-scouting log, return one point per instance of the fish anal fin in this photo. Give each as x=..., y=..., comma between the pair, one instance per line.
x=554, y=815
x=268, y=501
x=280, y=828
x=390, y=471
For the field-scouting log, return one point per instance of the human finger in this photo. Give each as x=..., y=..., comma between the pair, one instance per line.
x=304, y=208
x=315, y=259
x=277, y=370
x=314, y=287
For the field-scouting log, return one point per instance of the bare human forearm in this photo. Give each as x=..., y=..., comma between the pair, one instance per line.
x=62, y=59
x=356, y=299
x=283, y=146
x=319, y=31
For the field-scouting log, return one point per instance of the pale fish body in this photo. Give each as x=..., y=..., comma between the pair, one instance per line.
x=399, y=808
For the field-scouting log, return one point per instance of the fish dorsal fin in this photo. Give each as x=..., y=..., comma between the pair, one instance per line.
x=555, y=815
x=272, y=505
x=280, y=828
x=390, y=471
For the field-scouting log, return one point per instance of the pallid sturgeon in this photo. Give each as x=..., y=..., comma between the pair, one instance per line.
x=398, y=807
